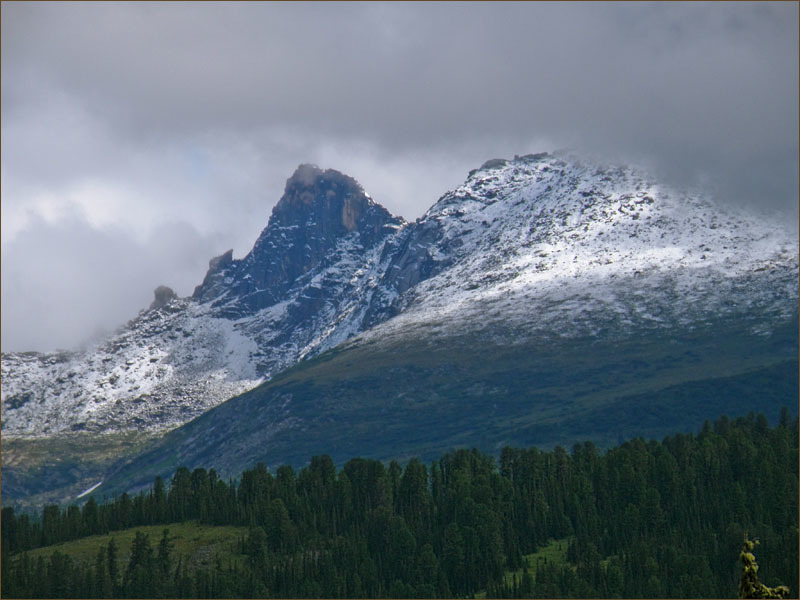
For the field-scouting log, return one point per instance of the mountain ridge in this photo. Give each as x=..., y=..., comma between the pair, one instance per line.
x=597, y=250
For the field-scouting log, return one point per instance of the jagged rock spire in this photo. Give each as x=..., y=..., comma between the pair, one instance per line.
x=163, y=295
x=319, y=211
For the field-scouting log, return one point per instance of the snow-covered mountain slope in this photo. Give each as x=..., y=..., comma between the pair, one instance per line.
x=161, y=369
x=544, y=245
x=553, y=246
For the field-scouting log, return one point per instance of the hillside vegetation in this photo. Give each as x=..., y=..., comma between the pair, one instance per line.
x=428, y=394
x=645, y=519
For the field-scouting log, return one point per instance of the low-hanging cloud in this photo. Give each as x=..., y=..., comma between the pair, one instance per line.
x=67, y=274
x=120, y=117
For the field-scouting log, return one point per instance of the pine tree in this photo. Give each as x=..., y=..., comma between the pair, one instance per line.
x=163, y=558
x=138, y=581
x=112, y=562
x=102, y=579
x=159, y=511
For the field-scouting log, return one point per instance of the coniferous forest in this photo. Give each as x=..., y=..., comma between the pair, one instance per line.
x=644, y=519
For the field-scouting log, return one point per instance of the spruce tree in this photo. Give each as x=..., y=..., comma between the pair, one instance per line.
x=112, y=562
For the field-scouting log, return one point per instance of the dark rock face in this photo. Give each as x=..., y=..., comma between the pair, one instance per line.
x=320, y=215
x=408, y=262
x=413, y=262
x=163, y=295
x=214, y=279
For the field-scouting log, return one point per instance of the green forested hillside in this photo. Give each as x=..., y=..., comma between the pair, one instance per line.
x=645, y=519
x=425, y=394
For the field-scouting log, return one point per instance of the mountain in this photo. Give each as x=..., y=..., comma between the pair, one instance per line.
x=298, y=291
x=546, y=299
x=560, y=247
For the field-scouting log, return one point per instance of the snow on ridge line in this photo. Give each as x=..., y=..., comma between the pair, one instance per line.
x=555, y=230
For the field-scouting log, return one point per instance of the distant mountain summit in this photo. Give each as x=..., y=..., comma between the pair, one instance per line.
x=557, y=245
x=535, y=247
x=319, y=213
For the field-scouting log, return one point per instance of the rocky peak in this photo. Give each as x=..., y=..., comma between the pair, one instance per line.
x=213, y=282
x=321, y=214
x=163, y=295
x=328, y=200
x=220, y=262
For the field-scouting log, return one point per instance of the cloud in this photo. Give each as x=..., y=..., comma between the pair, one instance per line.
x=64, y=278
x=121, y=117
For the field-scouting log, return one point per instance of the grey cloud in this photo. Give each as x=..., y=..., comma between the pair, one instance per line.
x=197, y=112
x=62, y=282
x=445, y=68
x=408, y=75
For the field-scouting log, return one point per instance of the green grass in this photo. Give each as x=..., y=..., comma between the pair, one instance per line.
x=197, y=545
x=554, y=552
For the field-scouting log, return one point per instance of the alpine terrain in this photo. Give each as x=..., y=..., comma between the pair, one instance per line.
x=294, y=294
x=547, y=299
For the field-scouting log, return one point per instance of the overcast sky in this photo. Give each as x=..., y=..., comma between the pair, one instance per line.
x=139, y=140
